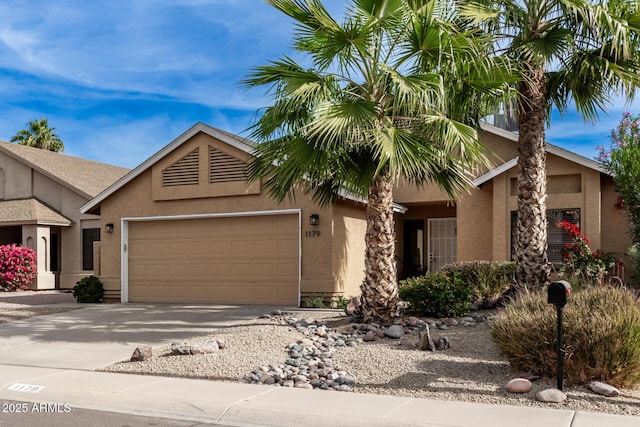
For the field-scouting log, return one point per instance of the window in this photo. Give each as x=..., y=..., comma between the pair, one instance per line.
x=556, y=238
x=89, y=235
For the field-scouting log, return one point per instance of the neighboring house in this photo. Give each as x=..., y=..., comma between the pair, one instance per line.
x=190, y=228
x=40, y=196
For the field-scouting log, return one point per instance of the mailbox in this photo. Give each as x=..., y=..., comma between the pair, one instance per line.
x=557, y=292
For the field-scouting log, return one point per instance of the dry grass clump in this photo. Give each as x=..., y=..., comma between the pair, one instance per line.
x=601, y=336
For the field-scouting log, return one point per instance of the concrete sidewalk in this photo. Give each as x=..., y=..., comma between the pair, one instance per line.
x=58, y=353
x=243, y=404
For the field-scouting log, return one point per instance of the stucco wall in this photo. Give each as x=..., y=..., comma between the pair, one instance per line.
x=615, y=225
x=21, y=182
x=475, y=224
x=17, y=178
x=68, y=203
x=318, y=275
x=349, y=228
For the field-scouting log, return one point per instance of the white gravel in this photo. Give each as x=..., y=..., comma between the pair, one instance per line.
x=472, y=370
x=24, y=304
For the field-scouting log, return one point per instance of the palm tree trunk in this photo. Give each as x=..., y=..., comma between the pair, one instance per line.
x=532, y=268
x=380, y=287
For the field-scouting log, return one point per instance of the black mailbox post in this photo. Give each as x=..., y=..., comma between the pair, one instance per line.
x=557, y=294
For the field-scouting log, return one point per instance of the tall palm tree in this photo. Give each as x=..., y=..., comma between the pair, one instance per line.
x=39, y=135
x=570, y=51
x=376, y=102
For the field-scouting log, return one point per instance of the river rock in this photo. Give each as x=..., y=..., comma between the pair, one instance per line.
x=142, y=353
x=394, y=331
x=519, y=385
x=604, y=389
x=552, y=395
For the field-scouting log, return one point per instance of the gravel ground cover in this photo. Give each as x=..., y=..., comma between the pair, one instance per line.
x=472, y=370
x=24, y=304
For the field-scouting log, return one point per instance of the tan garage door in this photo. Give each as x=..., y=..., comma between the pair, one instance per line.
x=224, y=260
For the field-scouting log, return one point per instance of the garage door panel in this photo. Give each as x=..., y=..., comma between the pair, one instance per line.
x=250, y=260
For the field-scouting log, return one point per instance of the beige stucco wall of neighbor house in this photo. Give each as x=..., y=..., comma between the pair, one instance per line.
x=136, y=199
x=17, y=178
x=67, y=202
x=20, y=182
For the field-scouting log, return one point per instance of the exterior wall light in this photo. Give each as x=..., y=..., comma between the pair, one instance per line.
x=108, y=228
x=314, y=219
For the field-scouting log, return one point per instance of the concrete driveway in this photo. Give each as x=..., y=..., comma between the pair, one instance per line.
x=98, y=335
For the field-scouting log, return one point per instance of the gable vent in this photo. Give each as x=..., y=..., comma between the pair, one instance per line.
x=183, y=172
x=225, y=168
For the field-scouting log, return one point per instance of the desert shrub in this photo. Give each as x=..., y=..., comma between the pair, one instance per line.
x=88, y=290
x=437, y=295
x=601, y=336
x=17, y=267
x=487, y=280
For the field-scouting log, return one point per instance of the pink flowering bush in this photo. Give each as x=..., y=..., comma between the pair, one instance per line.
x=17, y=267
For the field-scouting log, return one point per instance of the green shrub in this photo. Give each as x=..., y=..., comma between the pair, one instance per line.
x=634, y=255
x=601, y=336
x=437, y=295
x=340, y=302
x=315, y=301
x=88, y=290
x=487, y=280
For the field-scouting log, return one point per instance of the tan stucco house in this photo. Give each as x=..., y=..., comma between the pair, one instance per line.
x=190, y=228
x=40, y=196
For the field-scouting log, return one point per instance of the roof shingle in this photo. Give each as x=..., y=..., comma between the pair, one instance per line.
x=87, y=177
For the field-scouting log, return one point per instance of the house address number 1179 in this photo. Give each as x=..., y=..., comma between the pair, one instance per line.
x=312, y=233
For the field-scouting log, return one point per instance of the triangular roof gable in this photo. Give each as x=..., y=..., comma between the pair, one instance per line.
x=226, y=137
x=550, y=148
x=82, y=176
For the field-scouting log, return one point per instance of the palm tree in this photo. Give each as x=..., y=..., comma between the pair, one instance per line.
x=569, y=50
x=39, y=135
x=373, y=105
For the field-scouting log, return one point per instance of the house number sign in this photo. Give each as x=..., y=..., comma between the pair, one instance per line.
x=312, y=233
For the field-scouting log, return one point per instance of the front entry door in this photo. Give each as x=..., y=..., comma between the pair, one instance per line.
x=442, y=242
x=413, y=248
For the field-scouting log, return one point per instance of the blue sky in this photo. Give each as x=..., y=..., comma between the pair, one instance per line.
x=121, y=79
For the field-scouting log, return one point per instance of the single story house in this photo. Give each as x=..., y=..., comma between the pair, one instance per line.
x=41, y=193
x=189, y=228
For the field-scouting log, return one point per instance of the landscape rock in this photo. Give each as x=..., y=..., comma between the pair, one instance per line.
x=443, y=344
x=369, y=336
x=353, y=307
x=551, y=395
x=528, y=375
x=519, y=385
x=181, y=348
x=142, y=353
x=408, y=342
x=604, y=389
x=424, y=341
x=394, y=331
